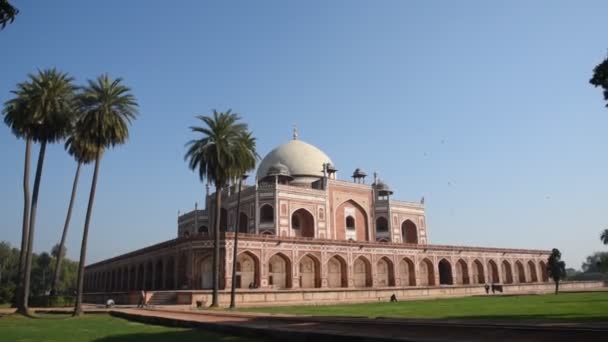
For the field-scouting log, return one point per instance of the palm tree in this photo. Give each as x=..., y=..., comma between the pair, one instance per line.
x=107, y=109
x=600, y=78
x=49, y=98
x=604, y=237
x=215, y=155
x=20, y=119
x=246, y=161
x=84, y=153
x=7, y=13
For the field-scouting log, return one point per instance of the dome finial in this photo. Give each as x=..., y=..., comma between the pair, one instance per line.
x=295, y=132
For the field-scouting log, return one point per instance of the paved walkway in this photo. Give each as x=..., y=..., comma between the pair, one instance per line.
x=299, y=328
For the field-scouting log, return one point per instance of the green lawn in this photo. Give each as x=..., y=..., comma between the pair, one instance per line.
x=98, y=328
x=565, y=306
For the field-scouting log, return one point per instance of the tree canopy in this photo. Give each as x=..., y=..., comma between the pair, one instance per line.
x=600, y=78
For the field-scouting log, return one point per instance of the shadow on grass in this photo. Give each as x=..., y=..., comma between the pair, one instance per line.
x=569, y=317
x=174, y=336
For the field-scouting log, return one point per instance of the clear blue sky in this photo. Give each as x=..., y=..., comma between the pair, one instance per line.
x=482, y=107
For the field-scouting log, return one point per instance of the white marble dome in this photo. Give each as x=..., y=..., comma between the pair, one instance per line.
x=301, y=158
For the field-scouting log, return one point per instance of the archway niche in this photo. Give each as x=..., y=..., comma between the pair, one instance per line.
x=409, y=232
x=170, y=273
x=243, y=223
x=247, y=270
x=303, y=223
x=493, y=272
x=478, y=276
x=158, y=275
x=132, y=279
x=140, y=277
x=426, y=272
x=279, y=271
x=182, y=273
x=407, y=273
x=532, y=270
x=445, y=273
x=381, y=225
x=336, y=272
x=149, y=276
x=310, y=269
x=462, y=273
x=543, y=271
x=205, y=265
x=507, y=273
x=521, y=273
x=266, y=213
x=362, y=272
x=385, y=272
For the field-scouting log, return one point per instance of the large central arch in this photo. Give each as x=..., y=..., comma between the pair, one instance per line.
x=303, y=223
x=351, y=222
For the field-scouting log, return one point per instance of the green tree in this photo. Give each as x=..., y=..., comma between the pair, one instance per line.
x=48, y=97
x=7, y=13
x=44, y=261
x=604, y=237
x=106, y=109
x=556, y=268
x=247, y=156
x=600, y=78
x=83, y=152
x=216, y=157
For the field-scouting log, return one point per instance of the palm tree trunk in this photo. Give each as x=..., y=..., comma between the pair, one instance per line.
x=66, y=225
x=26, y=222
x=556, y=287
x=85, y=236
x=235, y=248
x=216, y=247
x=30, y=241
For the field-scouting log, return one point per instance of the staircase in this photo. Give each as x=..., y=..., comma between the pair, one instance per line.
x=163, y=298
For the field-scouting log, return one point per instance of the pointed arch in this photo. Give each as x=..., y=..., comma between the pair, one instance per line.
x=203, y=278
x=337, y=272
x=266, y=213
x=247, y=270
x=445, y=272
x=362, y=272
x=543, y=271
x=409, y=232
x=243, y=223
x=303, y=223
x=520, y=271
x=381, y=224
x=478, y=276
x=427, y=272
x=385, y=272
x=351, y=221
x=493, y=275
x=309, y=270
x=279, y=271
x=507, y=272
x=462, y=273
x=532, y=271
x=407, y=272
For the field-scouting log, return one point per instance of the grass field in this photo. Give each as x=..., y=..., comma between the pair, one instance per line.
x=98, y=328
x=566, y=306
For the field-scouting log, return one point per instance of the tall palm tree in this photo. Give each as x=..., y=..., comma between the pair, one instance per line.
x=7, y=13
x=106, y=109
x=50, y=99
x=215, y=155
x=84, y=153
x=20, y=119
x=247, y=156
x=604, y=237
